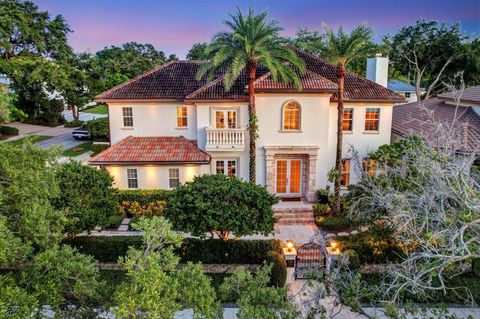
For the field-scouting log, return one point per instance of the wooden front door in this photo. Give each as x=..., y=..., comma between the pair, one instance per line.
x=289, y=177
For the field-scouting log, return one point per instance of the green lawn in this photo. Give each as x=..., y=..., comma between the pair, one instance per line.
x=99, y=109
x=32, y=138
x=77, y=150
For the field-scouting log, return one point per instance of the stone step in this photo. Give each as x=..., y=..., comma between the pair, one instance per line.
x=293, y=210
x=290, y=221
x=293, y=215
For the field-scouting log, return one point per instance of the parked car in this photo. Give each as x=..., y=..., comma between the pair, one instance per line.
x=81, y=133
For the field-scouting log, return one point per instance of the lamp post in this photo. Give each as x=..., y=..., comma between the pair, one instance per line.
x=290, y=254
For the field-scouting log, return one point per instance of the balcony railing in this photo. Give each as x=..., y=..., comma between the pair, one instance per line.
x=225, y=139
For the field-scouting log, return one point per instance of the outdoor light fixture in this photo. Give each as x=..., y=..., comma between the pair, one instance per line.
x=289, y=245
x=333, y=244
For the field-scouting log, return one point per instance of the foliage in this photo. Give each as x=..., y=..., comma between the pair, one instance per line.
x=319, y=44
x=278, y=275
x=136, y=209
x=32, y=43
x=334, y=222
x=98, y=148
x=12, y=294
x=353, y=259
x=8, y=130
x=74, y=123
x=154, y=287
x=144, y=196
x=60, y=273
x=255, y=298
x=216, y=251
x=377, y=245
x=426, y=52
x=221, y=205
x=321, y=209
x=322, y=195
x=8, y=111
x=97, y=109
x=114, y=221
x=87, y=197
x=78, y=150
x=98, y=128
x=197, y=51
x=476, y=267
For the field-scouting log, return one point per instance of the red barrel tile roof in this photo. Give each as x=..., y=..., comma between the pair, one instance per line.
x=470, y=94
x=419, y=118
x=177, y=80
x=157, y=149
x=310, y=82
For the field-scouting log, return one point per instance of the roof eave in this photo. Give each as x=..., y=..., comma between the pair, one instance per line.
x=130, y=163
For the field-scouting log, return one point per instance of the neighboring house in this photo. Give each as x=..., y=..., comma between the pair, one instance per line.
x=166, y=127
x=423, y=117
x=377, y=71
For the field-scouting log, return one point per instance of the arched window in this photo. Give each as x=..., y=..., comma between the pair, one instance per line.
x=291, y=116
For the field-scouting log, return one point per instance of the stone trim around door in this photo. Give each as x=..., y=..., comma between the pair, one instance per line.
x=311, y=153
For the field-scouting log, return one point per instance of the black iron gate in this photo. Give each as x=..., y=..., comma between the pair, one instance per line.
x=310, y=261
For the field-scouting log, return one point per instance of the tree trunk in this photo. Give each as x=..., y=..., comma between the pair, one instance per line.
x=252, y=122
x=75, y=112
x=338, y=160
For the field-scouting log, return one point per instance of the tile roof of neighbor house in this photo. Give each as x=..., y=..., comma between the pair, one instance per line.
x=469, y=95
x=416, y=118
x=158, y=149
x=400, y=86
x=176, y=80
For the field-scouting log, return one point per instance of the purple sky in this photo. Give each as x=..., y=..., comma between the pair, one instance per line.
x=174, y=25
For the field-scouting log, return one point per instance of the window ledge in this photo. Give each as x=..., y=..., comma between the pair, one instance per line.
x=371, y=132
x=347, y=132
x=126, y=128
x=290, y=131
x=181, y=128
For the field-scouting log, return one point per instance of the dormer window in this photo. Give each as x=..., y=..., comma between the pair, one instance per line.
x=291, y=116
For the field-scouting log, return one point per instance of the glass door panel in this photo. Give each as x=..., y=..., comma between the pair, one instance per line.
x=281, y=176
x=295, y=176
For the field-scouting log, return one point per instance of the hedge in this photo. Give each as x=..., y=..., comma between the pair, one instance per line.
x=98, y=148
x=98, y=128
x=74, y=123
x=278, y=277
x=207, y=251
x=144, y=196
x=7, y=130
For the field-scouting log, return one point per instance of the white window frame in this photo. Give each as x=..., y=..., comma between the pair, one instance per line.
x=175, y=179
x=346, y=174
x=132, y=178
x=378, y=120
x=284, y=106
x=225, y=114
x=351, y=120
x=128, y=116
x=225, y=165
x=182, y=116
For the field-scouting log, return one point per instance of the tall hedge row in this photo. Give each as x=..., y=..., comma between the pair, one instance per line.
x=207, y=251
x=144, y=196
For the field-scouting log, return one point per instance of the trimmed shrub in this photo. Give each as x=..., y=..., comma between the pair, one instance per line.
x=98, y=148
x=353, y=259
x=74, y=123
x=144, y=196
x=278, y=277
x=321, y=209
x=136, y=209
x=114, y=221
x=98, y=128
x=209, y=251
x=322, y=195
x=333, y=222
x=7, y=130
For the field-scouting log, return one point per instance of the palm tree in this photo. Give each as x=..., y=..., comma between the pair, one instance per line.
x=251, y=41
x=343, y=48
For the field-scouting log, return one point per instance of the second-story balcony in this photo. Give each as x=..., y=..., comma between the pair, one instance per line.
x=228, y=139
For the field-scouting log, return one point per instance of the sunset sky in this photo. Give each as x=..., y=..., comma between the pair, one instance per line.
x=173, y=26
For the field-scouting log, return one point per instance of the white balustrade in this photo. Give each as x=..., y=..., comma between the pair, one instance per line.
x=225, y=139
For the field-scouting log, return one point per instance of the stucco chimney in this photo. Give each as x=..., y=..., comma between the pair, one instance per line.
x=377, y=69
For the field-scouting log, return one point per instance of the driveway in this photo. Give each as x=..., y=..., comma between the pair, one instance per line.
x=60, y=135
x=83, y=116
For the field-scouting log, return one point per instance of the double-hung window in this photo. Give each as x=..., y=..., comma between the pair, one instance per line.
x=372, y=119
x=127, y=117
x=182, y=117
x=345, y=172
x=347, y=120
x=132, y=178
x=173, y=177
x=226, y=166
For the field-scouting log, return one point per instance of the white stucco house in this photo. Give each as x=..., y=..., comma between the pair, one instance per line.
x=166, y=127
